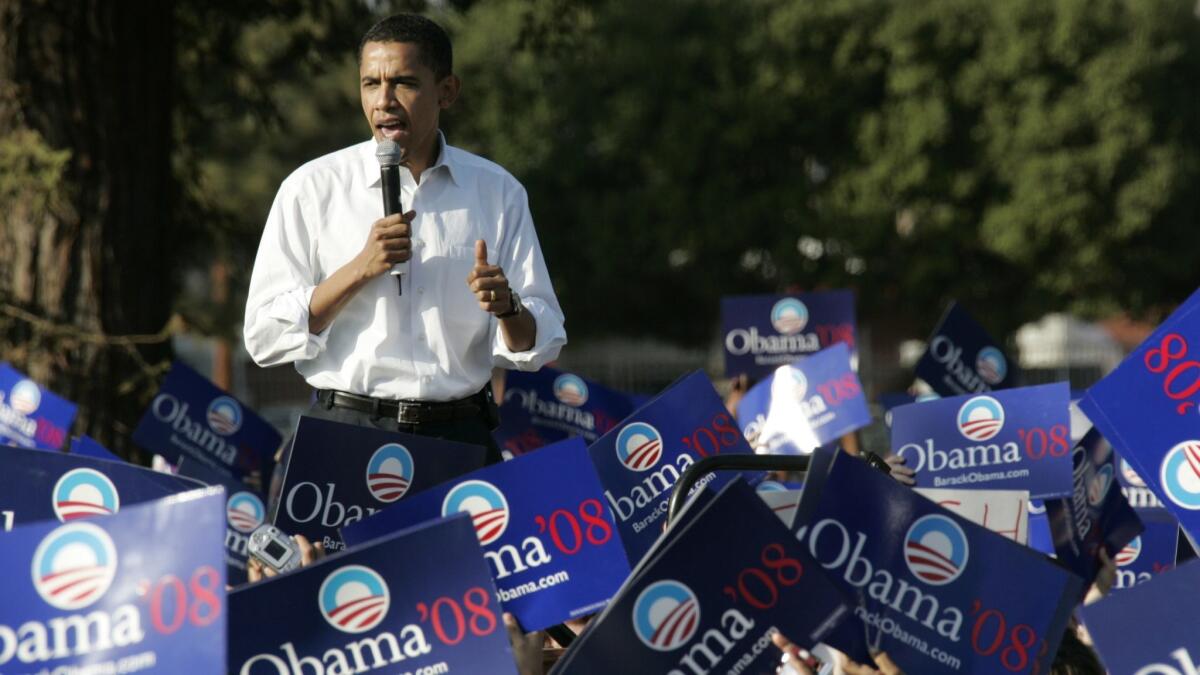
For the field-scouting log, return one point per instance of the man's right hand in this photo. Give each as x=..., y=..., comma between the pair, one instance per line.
x=388, y=243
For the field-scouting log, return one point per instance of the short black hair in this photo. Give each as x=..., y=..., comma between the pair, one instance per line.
x=429, y=37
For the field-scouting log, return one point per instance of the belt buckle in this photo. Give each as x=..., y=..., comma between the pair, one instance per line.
x=407, y=413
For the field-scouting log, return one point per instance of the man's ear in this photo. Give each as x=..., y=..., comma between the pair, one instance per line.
x=448, y=90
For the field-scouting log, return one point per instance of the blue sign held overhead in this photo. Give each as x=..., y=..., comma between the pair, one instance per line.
x=1130, y=644
x=1018, y=439
x=418, y=601
x=804, y=405
x=641, y=459
x=143, y=589
x=373, y=468
x=192, y=417
x=1096, y=515
x=931, y=587
x=1149, y=554
x=1148, y=409
x=678, y=616
x=30, y=416
x=549, y=405
x=89, y=447
x=550, y=542
x=37, y=485
x=763, y=332
x=963, y=359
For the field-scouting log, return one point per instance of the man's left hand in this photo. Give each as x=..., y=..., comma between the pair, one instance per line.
x=489, y=284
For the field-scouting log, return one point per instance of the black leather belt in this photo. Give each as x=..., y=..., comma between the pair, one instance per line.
x=406, y=412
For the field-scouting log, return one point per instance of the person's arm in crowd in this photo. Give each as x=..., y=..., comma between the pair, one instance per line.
x=900, y=472
x=527, y=647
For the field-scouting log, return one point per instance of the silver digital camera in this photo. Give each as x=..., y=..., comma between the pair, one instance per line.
x=274, y=549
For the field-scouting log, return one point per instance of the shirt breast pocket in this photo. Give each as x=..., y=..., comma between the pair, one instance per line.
x=460, y=312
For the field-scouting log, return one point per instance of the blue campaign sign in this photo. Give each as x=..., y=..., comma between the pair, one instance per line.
x=548, y=405
x=1147, y=408
x=244, y=512
x=1150, y=553
x=142, y=590
x=1017, y=439
x=937, y=592
x=677, y=616
x=639, y=461
x=1040, y=538
x=340, y=473
x=545, y=532
x=763, y=332
x=1096, y=515
x=963, y=359
x=37, y=485
x=89, y=447
x=1140, y=496
x=419, y=601
x=192, y=417
x=804, y=405
x=1130, y=644
x=30, y=416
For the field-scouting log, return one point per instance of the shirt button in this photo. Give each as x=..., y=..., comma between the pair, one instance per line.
x=420, y=289
x=421, y=338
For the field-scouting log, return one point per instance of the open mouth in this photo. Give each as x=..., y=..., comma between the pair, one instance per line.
x=392, y=129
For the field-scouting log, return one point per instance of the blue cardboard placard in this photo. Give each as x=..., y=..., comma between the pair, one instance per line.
x=804, y=405
x=930, y=586
x=417, y=601
x=549, y=405
x=963, y=359
x=142, y=590
x=1096, y=515
x=31, y=416
x=1139, y=495
x=1148, y=409
x=763, y=332
x=36, y=485
x=1131, y=643
x=89, y=447
x=340, y=473
x=549, y=540
x=639, y=461
x=244, y=512
x=1149, y=554
x=192, y=417
x=677, y=616
x=1017, y=439
x=1040, y=538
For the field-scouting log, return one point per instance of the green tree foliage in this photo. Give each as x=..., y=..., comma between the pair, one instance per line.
x=1023, y=156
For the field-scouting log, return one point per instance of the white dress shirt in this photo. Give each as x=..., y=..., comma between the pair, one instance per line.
x=432, y=343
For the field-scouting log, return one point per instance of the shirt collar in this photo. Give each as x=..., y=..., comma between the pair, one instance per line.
x=445, y=158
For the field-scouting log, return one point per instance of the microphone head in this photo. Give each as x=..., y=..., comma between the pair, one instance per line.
x=389, y=153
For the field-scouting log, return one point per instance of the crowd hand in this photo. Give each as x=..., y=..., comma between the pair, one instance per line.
x=900, y=472
x=738, y=387
x=389, y=242
x=1105, y=578
x=309, y=554
x=796, y=661
x=527, y=647
x=488, y=283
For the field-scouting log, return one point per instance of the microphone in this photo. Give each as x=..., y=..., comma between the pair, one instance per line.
x=390, y=155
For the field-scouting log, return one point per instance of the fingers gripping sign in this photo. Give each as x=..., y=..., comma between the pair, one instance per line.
x=489, y=284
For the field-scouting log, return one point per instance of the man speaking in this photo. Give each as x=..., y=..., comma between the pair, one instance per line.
x=398, y=321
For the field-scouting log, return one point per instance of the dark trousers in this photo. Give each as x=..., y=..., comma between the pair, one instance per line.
x=473, y=430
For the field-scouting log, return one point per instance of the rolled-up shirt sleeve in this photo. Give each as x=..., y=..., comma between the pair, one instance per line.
x=523, y=264
x=281, y=286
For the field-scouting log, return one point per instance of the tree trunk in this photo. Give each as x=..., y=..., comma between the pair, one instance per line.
x=85, y=233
